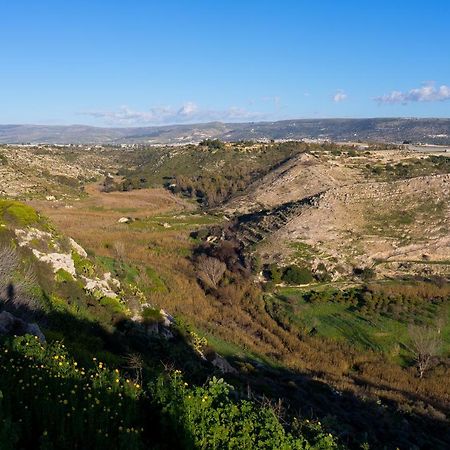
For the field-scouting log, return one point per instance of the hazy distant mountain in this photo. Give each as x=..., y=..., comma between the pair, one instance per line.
x=433, y=131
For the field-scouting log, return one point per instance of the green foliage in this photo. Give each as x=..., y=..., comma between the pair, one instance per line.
x=47, y=401
x=113, y=304
x=3, y=160
x=208, y=418
x=274, y=273
x=62, y=276
x=51, y=403
x=151, y=315
x=297, y=275
x=374, y=317
x=413, y=167
x=209, y=173
x=83, y=266
x=156, y=283
x=212, y=144
x=365, y=273
x=18, y=213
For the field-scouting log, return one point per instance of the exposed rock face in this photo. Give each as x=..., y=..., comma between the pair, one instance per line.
x=331, y=211
x=12, y=325
x=25, y=237
x=58, y=261
x=63, y=261
x=78, y=248
x=222, y=364
x=99, y=287
x=168, y=320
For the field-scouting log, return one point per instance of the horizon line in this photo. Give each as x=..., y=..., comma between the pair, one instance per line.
x=27, y=124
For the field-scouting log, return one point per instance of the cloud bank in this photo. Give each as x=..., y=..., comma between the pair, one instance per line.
x=426, y=93
x=189, y=112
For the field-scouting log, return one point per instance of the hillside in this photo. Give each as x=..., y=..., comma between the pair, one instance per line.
x=298, y=275
x=432, y=131
x=358, y=214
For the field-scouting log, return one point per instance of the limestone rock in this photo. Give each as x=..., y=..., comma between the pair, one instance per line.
x=12, y=325
x=101, y=287
x=78, y=248
x=222, y=364
x=58, y=261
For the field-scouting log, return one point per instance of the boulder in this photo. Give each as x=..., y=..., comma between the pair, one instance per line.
x=222, y=364
x=168, y=320
x=78, y=248
x=6, y=323
x=33, y=329
x=12, y=325
x=96, y=286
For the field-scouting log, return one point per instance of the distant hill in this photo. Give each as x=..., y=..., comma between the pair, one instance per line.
x=431, y=131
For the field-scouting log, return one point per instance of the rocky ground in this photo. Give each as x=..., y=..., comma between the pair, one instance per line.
x=49, y=171
x=348, y=217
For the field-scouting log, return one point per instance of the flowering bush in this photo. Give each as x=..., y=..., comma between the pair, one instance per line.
x=208, y=418
x=48, y=402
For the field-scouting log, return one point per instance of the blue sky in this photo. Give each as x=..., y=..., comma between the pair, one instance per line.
x=136, y=62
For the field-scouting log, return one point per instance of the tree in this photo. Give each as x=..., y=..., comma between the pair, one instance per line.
x=425, y=346
x=297, y=275
x=210, y=270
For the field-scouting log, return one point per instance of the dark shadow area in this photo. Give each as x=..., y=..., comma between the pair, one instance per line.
x=354, y=419
x=89, y=342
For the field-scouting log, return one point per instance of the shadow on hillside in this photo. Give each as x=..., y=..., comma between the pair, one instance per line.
x=354, y=419
x=89, y=342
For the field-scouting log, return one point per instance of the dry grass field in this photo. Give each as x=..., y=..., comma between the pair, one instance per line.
x=157, y=237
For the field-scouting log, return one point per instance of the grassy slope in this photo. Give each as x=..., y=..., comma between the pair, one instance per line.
x=380, y=332
x=149, y=244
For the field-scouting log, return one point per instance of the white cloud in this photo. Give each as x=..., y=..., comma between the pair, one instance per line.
x=340, y=96
x=189, y=112
x=426, y=93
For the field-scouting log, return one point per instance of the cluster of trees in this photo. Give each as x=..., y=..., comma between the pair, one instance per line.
x=212, y=144
x=211, y=190
x=292, y=274
x=210, y=172
x=411, y=168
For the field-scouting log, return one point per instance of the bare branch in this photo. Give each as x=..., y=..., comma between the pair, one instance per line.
x=425, y=346
x=210, y=270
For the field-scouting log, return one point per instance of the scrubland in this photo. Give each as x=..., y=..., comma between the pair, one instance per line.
x=338, y=350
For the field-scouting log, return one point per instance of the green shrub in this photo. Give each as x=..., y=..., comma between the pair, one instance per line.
x=151, y=315
x=48, y=402
x=212, y=144
x=297, y=275
x=18, y=213
x=274, y=273
x=207, y=418
x=365, y=273
x=62, y=276
x=82, y=265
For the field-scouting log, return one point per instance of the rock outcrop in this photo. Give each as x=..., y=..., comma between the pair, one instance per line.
x=10, y=325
